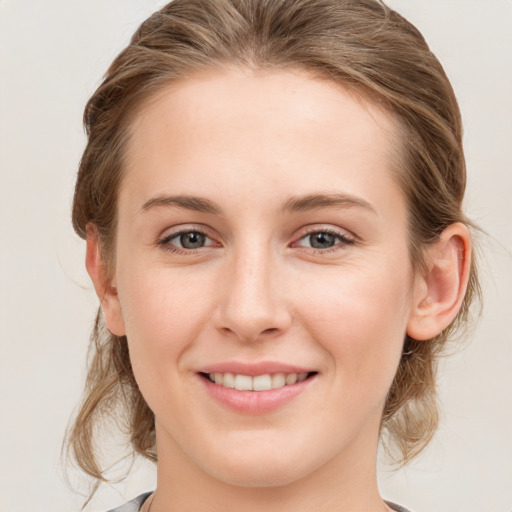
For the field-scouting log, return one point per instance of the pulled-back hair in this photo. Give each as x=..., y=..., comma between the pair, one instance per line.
x=361, y=44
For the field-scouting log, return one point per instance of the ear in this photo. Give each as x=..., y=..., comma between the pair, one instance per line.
x=439, y=293
x=105, y=288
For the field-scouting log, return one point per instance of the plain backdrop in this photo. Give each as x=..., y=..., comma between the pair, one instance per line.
x=52, y=56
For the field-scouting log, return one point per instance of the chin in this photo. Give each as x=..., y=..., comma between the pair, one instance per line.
x=259, y=477
x=268, y=469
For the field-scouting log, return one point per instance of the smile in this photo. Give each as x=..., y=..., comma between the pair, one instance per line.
x=263, y=382
x=258, y=393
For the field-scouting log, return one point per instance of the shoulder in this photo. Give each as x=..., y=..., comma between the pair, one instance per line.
x=396, y=507
x=133, y=505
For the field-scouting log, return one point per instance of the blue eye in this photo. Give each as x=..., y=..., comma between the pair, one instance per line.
x=322, y=240
x=186, y=241
x=191, y=240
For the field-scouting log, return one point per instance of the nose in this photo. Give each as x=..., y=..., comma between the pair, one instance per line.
x=253, y=304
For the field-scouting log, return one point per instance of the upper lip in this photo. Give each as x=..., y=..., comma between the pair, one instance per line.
x=253, y=369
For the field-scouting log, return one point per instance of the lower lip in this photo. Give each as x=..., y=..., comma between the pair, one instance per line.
x=256, y=402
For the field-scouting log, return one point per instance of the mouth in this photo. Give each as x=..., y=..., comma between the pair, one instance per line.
x=263, y=382
x=254, y=389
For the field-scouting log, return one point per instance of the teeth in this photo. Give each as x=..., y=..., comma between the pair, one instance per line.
x=291, y=379
x=278, y=380
x=243, y=383
x=228, y=380
x=259, y=383
x=262, y=383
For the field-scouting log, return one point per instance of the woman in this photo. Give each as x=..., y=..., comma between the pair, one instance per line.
x=271, y=197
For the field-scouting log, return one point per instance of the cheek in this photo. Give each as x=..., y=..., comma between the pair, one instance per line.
x=155, y=298
x=163, y=312
x=359, y=317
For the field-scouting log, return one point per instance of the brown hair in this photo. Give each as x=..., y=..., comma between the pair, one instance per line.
x=361, y=44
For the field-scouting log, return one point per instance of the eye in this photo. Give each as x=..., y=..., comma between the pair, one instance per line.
x=184, y=241
x=323, y=240
x=190, y=240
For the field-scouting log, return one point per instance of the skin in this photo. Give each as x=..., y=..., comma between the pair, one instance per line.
x=250, y=143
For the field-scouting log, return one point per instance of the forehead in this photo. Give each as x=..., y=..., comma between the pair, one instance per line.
x=240, y=130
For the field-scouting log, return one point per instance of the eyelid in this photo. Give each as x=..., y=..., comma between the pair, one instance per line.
x=345, y=237
x=172, y=233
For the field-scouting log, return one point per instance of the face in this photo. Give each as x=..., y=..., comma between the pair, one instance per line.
x=262, y=272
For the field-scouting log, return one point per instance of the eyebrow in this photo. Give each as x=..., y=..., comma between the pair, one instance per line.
x=318, y=201
x=197, y=204
x=295, y=204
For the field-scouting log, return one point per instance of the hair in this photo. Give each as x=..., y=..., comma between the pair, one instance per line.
x=361, y=44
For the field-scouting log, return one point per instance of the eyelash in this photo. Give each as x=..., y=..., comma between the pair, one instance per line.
x=165, y=244
x=342, y=238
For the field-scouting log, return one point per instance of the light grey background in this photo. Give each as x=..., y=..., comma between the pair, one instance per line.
x=52, y=55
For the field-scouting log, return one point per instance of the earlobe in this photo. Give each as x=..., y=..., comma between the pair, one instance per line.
x=104, y=286
x=439, y=293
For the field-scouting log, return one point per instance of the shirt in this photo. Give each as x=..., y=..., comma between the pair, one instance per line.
x=135, y=505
